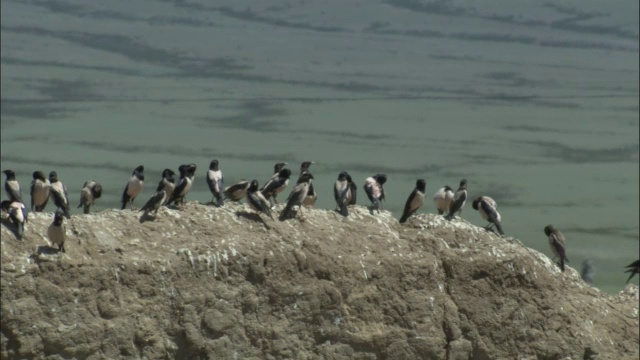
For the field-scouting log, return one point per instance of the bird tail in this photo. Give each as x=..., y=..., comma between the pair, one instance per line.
x=220, y=200
x=66, y=212
x=20, y=231
x=562, y=264
x=403, y=219
x=86, y=209
x=285, y=214
x=344, y=211
x=499, y=227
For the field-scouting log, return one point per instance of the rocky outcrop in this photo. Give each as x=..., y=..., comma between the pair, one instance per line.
x=220, y=283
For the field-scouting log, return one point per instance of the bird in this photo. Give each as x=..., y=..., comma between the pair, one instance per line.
x=185, y=182
x=374, y=188
x=237, y=191
x=154, y=203
x=257, y=201
x=415, y=200
x=633, y=268
x=487, y=208
x=442, y=198
x=59, y=193
x=587, y=272
x=17, y=213
x=57, y=232
x=458, y=201
x=276, y=185
x=12, y=187
x=557, y=243
x=297, y=195
x=91, y=190
x=168, y=183
x=134, y=187
x=215, y=182
x=312, y=196
x=40, y=191
x=342, y=192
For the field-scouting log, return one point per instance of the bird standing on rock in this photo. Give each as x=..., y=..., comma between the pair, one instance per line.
x=168, y=183
x=415, y=200
x=257, y=201
x=311, y=197
x=443, y=198
x=276, y=185
x=459, y=199
x=237, y=191
x=184, y=185
x=487, y=208
x=57, y=232
x=374, y=187
x=297, y=195
x=215, y=182
x=91, y=190
x=342, y=192
x=154, y=203
x=17, y=213
x=59, y=193
x=12, y=187
x=40, y=191
x=557, y=243
x=134, y=187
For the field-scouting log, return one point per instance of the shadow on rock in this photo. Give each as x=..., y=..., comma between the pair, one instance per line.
x=253, y=217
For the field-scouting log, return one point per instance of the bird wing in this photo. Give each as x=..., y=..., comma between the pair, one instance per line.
x=368, y=188
x=13, y=189
x=157, y=197
x=272, y=185
x=557, y=241
x=354, y=189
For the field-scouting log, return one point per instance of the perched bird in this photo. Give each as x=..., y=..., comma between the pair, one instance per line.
x=415, y=200
x=168, y=183
x=185, y=182
x=459, y=199
x=57, y=232
x=134, y=187
x=297, y=195
x=40, y=191
x=59, y=193
x=237, y=191
x=154, y=203
x=373, y=186
x=312, y=196
x=215, y=182
x=91, y=190
x=587, y=272
x=488, y=210
x=354, y=190
x=342, y=192
x=557, y=243
x=276, y=185
x=17, y=213
x=257, y=201
x=442, y=198
x=12, y=187
x=633, y=268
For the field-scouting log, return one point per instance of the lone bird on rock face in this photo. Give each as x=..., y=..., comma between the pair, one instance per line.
x=297, y=195
x=459, y=199
x=91, y=190
x=12, y=187
x=487, y=208
x=237, y=191
x=257, y=201
x=374, y=187
x=443, y=198
x=18, y=215
x=415, y=200
x=557, y=243
x=57, y=232
x=40, y=191
x=215, y=182
x=134, y=187
x=59, y=193
x=633, y=268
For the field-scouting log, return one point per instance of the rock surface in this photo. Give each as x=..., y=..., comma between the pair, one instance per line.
x=219, y=283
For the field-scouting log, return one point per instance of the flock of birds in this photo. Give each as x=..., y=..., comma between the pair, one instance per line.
x=262, y=200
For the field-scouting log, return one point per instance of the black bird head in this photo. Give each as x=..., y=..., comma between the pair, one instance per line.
x=279, y=166
x=463, y=184
x=254, y=186
x=284, y=173
x=138, y=170
x=549, y=229
x=38, y=175
x=213, y=165
x=380, y=178
x=448, y=188
x=167, y=173
x=305, y=166
x=10, y=174
x=344, y=176
x=475, y=204
x=96, y=190
x=190, y=169
x=58, y=218
x=53, y=176
x=421, y=184
x=305, y=177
